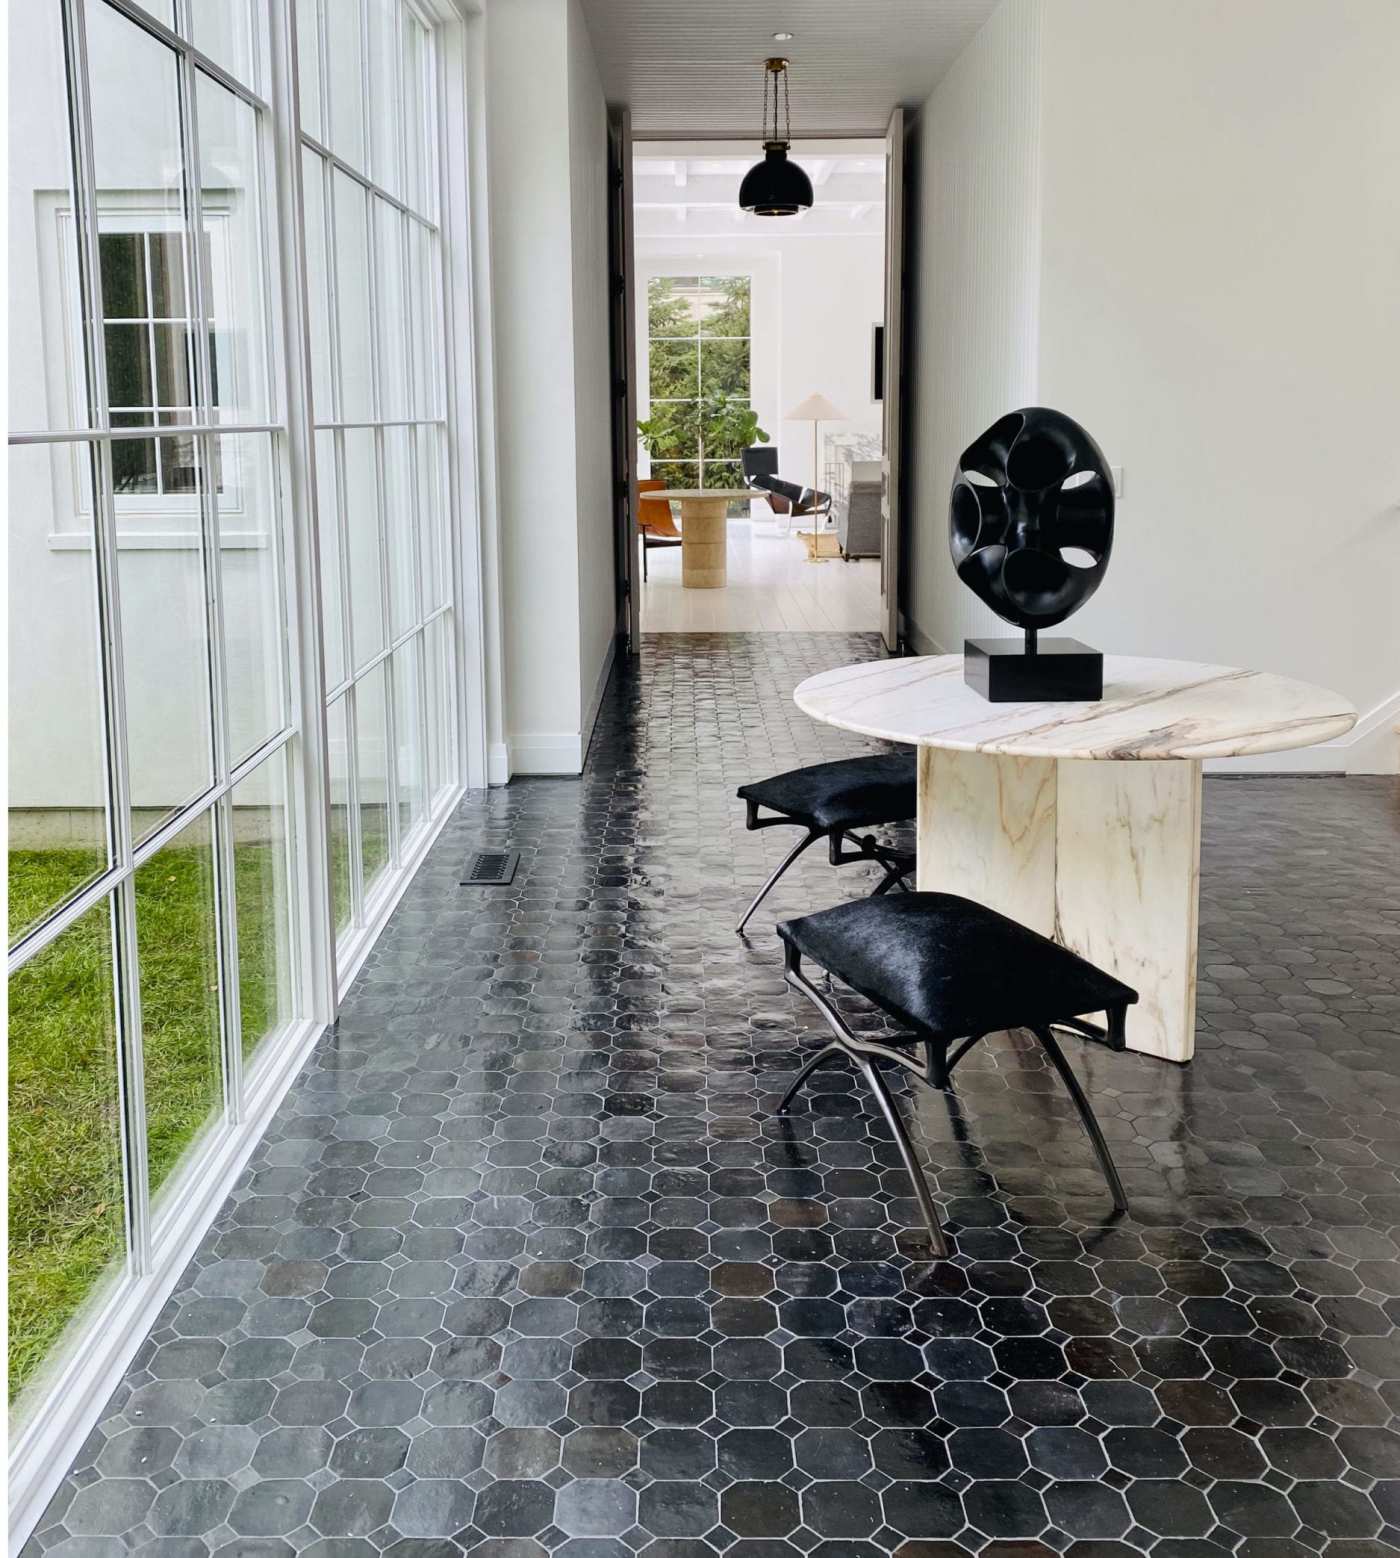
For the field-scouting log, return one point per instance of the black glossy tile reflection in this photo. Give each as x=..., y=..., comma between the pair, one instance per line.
x=526, y=1266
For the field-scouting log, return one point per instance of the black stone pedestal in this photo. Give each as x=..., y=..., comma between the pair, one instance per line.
x=1052, y=670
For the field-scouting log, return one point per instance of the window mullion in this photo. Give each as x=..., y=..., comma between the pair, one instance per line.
x=126, y=984
x=206, y=446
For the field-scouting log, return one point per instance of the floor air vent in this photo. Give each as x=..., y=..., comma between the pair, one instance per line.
x=490, y=868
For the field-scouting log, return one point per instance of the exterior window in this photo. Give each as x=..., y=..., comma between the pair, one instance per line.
x=698, y=345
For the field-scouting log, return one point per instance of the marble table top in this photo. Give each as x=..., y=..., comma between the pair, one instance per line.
x=699, y=492
x=1150, y=709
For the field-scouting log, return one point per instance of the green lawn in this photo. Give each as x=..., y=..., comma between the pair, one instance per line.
x=66, y=1197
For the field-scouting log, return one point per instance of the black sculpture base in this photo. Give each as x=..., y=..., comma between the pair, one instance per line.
x=1058, y=670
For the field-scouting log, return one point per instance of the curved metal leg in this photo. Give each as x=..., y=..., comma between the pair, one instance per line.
x=1047, y=1042
x=767, y=887
x=828, y=1051
x=876, y=1084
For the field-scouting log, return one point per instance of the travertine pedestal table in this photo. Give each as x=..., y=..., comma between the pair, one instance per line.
x=704, y=534
x=1081, y=820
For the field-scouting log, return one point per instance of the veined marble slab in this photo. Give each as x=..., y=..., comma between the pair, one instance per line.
x=1150, y=709
x=1080, y=820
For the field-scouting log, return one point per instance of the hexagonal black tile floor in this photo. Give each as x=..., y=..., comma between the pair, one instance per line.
x=526, y=1264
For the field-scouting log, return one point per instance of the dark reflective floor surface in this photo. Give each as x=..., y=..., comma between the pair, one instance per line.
x=526, y=1265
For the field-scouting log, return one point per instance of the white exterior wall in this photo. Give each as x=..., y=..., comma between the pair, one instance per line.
x=55, y=760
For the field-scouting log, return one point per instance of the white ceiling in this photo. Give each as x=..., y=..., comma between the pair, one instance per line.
x=696, y=66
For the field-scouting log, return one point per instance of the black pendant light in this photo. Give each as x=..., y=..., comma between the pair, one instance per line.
x=775, y=186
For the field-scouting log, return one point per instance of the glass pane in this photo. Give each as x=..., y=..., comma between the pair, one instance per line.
x=338, y=761
x=176, y=952
x=669, y=306
x=673, y=430
x=682, y=474
x=385, y=99
x=436, y=720
x=332, y=583
x=134, y=467
x=48, y=387
x=398, y=529
x=317, y=283
x=724, y=368
x=723, y=475
x=250, y=557
x=674, y=370
x=262, y=896
x=66, y=1188
x=308, y=25
x=723, y=305
x=57, y=766
x=352, y=298
x=232, y=202
x=417, y=156
x=174, y=365
x=345, y=83
x=408, y=739
x=433, y=550
x=130, y=376
x=362, y=525
x=227, y=31
x=165, y=645
x=123, y=261
x=725, y=432
x=140, y=172
x=427, y=335
x=391, y=311
x=372, y=773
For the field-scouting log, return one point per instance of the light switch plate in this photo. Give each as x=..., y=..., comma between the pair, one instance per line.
x=1116, y=471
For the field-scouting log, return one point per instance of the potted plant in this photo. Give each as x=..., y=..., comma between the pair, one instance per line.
x=713, y=428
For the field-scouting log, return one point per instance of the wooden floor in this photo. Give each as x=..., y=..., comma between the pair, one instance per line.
x=772, y=588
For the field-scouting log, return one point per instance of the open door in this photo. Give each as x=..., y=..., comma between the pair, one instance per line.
x=621, y=334
x=890, y=487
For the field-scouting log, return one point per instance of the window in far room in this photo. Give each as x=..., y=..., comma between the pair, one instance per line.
x=699, y=351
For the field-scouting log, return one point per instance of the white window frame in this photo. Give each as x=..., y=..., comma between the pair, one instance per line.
x=98, y=1347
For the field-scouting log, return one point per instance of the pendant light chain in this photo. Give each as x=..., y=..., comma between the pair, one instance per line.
x=787, y=113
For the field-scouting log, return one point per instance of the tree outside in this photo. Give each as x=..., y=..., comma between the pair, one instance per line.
x=699, y=345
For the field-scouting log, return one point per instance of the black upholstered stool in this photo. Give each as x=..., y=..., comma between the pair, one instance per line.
x=952, y=971
x=829, y=800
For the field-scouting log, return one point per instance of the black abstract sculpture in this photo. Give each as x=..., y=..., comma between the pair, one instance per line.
x=1030, y=527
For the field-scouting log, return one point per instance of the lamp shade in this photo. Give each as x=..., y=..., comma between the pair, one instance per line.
x=775, y=186
x=816, y=408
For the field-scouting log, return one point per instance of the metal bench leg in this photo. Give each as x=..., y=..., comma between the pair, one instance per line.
x=827, y=1052
x=792, y=854
x=1091, y=1125
x=876, y=1084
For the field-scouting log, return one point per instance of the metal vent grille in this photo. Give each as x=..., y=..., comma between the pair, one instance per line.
x=490, y=868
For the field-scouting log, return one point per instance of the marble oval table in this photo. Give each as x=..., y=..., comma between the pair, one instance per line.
x=1081, y=820
x=704, y=534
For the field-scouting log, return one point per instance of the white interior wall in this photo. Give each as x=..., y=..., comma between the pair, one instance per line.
x=1197, y=261
x=588, y=194
x=549, y=303
x=1220, y=305
x=815, y=302
x=974, y=238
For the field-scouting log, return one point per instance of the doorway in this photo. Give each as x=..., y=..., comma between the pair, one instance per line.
x=757, y=346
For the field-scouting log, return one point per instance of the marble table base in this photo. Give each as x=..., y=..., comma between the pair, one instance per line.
x=704, y=543
x=1103, y=856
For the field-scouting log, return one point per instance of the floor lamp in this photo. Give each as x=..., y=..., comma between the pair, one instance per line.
x=816, y=409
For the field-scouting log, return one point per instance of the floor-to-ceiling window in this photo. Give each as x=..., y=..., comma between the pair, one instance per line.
x=164, y=733
x=373, y=246
x=698, y=376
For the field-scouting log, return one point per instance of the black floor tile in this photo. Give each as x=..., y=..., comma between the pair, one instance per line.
x=526, y=1265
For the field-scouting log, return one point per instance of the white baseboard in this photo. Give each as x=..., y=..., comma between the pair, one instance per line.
x=498, y=763
x=546, y=752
